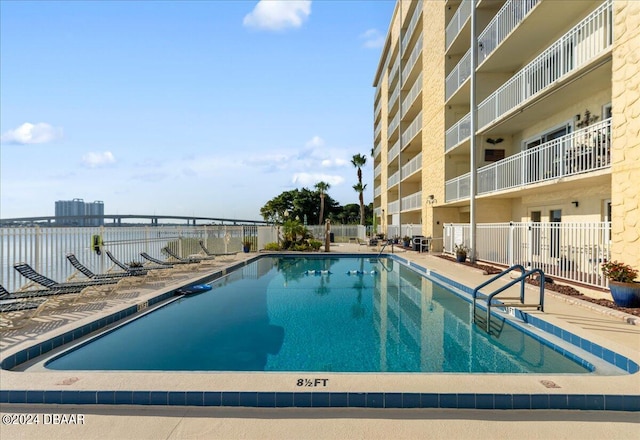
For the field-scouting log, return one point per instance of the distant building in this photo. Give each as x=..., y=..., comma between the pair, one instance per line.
x=73, y=212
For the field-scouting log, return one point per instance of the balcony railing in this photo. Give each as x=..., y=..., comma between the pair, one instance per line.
x=582, y=151
x=508, y=17
x=393, y=207
x=415, y=54
x=412, y=130
x=377, y=130
x=412, y=25
x=412, y=202
x=377, y=170
x=394, y=179
x=394, y=70
x=457, y=22
x=393, y=152
x=415, y=90
x=412, y=166
x=394, y=96
x=377, y=191
x=458, y=133
x=586, y=41
x=393, y=124
x=377, y=109
x=458, y=75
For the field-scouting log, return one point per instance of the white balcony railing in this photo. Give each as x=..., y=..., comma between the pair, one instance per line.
x=394, y=179
x=508, y=17
x=458, y=75
x=412, y=202
x=394, y=151
x=457, y=22
x=415, y=90
x=412, y=130
x=582, y=151
x=377, y=130
x=377, y=109
x=394, y=70
x=394, y=96
x=587, y=40
x=412, y=25
x=377, y=170
x=393, y=124
x=458, y=133
x=393, y=207
x=377, y=191
x=415, y=54
x=412, y=166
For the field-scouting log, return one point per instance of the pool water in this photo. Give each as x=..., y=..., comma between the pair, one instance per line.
x=346, y=314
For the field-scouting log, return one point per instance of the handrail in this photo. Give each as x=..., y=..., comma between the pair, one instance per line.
x=520, y=279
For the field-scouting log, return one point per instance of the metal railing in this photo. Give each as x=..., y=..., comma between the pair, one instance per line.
x=415, y=54
x=412, y=166
x=412, y=26
x=586, y=41
x=415, y=90
x=457, y=22
x=458, y=132
x=393, y=124
x=508, y=17
x=412, y=202
x=458, y=75
x=377, y=170
x=572, y=251
x=394, y=151
x=394, y=97
x=393, y=179
x=412, y=130
x=393, y=207
x=583, y=151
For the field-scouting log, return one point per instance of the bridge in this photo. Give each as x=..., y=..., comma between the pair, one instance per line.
x=154, y=219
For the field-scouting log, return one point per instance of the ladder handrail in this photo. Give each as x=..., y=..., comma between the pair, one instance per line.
x=520, y=279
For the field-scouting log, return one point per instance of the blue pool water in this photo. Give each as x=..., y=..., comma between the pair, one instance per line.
x=343, y=314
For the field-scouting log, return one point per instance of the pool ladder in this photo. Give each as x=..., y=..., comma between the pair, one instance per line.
x=486, y=322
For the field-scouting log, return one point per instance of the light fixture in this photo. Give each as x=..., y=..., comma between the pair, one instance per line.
x=431, y=199
x=576, y=203
x=494, y=141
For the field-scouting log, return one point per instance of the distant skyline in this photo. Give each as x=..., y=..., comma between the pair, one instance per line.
x=207, y=108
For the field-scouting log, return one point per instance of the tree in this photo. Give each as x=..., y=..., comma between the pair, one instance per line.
x=322, y=188
x=358, y=161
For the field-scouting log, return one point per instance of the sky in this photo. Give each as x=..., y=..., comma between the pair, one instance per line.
x=196, y=108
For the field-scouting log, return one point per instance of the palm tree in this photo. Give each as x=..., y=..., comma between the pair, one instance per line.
x=358, y=161
x=322, y=188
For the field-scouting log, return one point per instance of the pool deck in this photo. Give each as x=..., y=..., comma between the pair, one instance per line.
x=614, y=330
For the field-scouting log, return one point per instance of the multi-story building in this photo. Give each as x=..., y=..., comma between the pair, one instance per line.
x=73, y=212
x=513, y=127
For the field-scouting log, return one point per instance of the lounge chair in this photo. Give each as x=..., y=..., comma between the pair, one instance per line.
x=151, y=273
x=171, y=264
x=190, y=259
x=30, y=294
x=106, y=285
x=23, y=308
x=93, y=276
x=211, y=254
x=16, y=305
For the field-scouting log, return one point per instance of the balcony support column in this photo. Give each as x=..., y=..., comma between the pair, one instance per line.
x=474, y=124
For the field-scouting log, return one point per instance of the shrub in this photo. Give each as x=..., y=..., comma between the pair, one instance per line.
x=619, y=272
x=271, y=247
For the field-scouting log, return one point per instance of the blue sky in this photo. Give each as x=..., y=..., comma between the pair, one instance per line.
x=207, y=108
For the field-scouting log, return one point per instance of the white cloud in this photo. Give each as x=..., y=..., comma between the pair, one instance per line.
x=276, y=15
x=96, y=160
x=315, y=141
x=310, y=179
x=29, y=133
x=373, y=39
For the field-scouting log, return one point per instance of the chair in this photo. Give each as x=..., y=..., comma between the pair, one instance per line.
x=211, y=254
x=89, y=274
x=16, y=322
x=16, y=305
x=194, y=260
x=30, y=294
x=151, y=273
x=177, y=265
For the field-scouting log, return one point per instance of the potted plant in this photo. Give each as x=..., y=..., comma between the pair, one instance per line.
x=461, y=251
x=624, y=290
x=406, y=241
x=246, y=245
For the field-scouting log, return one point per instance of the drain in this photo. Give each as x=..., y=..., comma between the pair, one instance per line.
x=550, y=384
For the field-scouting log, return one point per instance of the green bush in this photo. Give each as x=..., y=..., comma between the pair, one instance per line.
x=271, y=247
x=315, y=244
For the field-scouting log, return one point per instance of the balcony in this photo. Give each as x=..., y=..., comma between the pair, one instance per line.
x=412, y=202
x=584, y=43
x=457, y=22
x=377, y=130
x=508, y=17
x=377, y=170
x=377, y=192
x=414, y=128
x=413, y=166
x=393, y=152
x=458, y=133
x=393, y=207
x=583, y=151
x=412, y=26
x=393, y=124
x=394, y=97
x=393, y=180
x=413, y=94
x=458, y=75
x=394, y=70
x=413, y=58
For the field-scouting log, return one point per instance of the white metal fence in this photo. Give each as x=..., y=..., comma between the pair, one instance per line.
x=573, y=251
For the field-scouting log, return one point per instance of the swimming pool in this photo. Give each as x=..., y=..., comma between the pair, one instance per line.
x=347, y=314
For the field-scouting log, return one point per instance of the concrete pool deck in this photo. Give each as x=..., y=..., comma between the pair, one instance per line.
x=603, y=326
